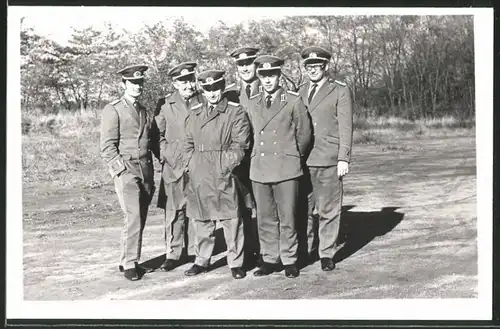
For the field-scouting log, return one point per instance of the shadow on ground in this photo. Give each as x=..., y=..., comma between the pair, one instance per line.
x=357, y=229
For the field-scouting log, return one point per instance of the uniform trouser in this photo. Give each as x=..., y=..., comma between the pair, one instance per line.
x=326, y=199
x=204, y=231
x=276, y=212
x=177, y=231
x=134, y=201
x=177, y=228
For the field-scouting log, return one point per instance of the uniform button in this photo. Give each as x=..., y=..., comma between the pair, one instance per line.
x=274, y=142
x=261, y=132
x=275, y=153
x=274, y=131
x=262, y=154
x=315, y=123
x=261, y=143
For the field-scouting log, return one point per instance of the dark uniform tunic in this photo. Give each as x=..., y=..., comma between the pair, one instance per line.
x=128, y=135
x=331, y=115
x=282, y=134
x=170, y=121
x=215, y=144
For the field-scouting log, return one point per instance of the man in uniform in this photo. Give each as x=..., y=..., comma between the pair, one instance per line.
x=217, y=137
x=170, y=121
x=282, y=133
x=128, y=136
x=329, y=104
x=248, y=86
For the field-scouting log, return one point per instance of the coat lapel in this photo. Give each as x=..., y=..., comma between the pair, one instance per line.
x=137, y=115
x=179, y=107
x=275, y=108
x=325, y=89
x=219, y=108
x=303, y=93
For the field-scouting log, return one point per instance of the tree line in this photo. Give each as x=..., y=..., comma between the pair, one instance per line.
x=407, y=66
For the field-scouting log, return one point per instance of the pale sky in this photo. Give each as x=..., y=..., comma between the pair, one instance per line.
x=56, y=22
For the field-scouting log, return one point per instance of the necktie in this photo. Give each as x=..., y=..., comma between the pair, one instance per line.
x=311, y=94
x=210, y=109
x=248, y=90
x=268, y=101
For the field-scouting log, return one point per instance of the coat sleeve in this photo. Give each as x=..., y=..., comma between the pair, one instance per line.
x=344, y=115
x=240, y=141
x=302, y=123
x=188, y=142
x=162, y=126
x=109, y=141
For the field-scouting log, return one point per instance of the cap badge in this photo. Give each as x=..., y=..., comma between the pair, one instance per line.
x=137, y=74
x=184, y=71
x=266, y=65
x=313, y=55
x=242, y=56
x=210, y=80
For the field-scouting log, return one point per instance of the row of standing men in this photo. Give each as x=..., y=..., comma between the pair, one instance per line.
x=236, y=156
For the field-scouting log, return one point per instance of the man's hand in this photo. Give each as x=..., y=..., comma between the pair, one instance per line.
x=342, y=168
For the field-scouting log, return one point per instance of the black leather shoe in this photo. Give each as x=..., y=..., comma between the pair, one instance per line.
x=143, y=269
x=238, y=273
x=120, y=268
x=291, y=271
x=131, y=274
x=169, y=265
x=195, y=270
x=327, y=264
x=265, y=269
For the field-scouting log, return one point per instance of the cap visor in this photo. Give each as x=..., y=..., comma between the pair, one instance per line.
x=177, y=77
x=315, y=60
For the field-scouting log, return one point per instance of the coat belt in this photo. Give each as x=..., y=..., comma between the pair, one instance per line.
x=211, y=147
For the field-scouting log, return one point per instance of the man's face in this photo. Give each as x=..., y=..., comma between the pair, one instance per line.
x=270, y=80
x=246, y=70
x=212, y=93
x=316, y=71
x=185, y=86
x=133, y=88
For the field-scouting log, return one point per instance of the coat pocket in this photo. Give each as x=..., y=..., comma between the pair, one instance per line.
x=292, y=152
x=332, y=139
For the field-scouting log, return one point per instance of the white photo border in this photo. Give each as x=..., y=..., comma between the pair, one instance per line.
x=387, y=309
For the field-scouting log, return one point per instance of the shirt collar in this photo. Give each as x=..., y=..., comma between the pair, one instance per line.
x=131, y=100
x=320, y=83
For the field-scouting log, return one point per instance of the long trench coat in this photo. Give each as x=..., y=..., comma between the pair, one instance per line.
x=215, y=145
x=170, y=120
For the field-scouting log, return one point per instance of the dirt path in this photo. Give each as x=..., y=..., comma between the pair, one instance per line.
x=411, y=233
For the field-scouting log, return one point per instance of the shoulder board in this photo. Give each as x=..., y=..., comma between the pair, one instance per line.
x=233, y=103
x=292, y=92
x=302, y=84
x=340, y=83
x=168, y=95
x=115, y=102
x=196, y=106
x=230, y=86
x=255, y=96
